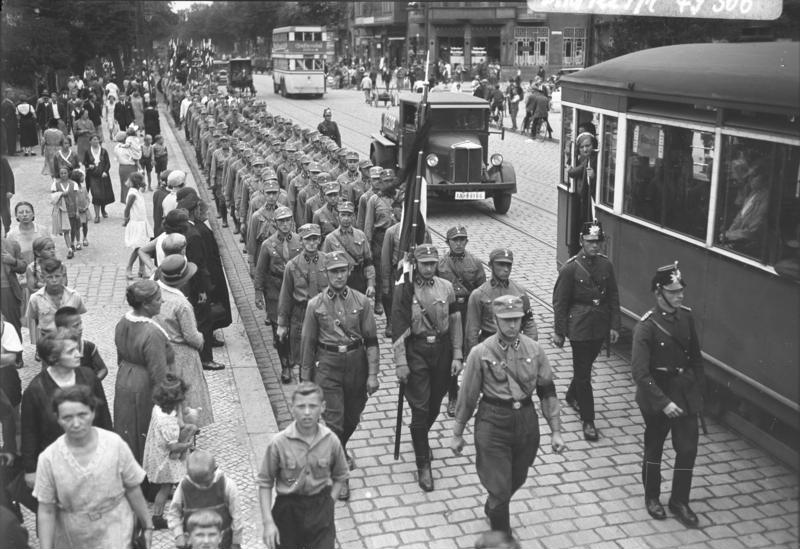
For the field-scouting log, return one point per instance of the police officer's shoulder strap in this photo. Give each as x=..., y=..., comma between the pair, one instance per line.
x=685, y=308
x=571, y=259
x=647, y=315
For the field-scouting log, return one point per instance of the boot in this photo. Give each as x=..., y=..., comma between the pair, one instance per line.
x=425, y=477
x=287, y=374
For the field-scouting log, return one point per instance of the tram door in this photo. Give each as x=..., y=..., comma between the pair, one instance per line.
x=574, y=123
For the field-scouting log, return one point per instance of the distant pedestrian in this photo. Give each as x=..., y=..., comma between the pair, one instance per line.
x=82, y=199
x=126, y=158
x=152, y=126
x=84, y=130
x=366, y=87
x=146, y=160
x=330, y=128
x=52, y=140
x=160, y=155
x=28, y=131
x=138, y=230
x=98, y=180
x=306, y=466
x=8, y=113
x=7, y=190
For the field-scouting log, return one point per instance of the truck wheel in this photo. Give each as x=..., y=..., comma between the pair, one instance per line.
x=502, y=202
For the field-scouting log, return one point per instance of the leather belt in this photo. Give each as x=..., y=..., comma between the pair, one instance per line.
x=510, y=404
x=341, y=348
x=428, y=338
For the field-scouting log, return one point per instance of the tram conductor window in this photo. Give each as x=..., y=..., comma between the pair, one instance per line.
x=668, y=178
x=758, y=204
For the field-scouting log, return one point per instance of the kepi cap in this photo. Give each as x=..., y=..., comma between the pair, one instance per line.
x=456, y=232
x=331, y=187
x=336, y=260
x=508, y=306
x=309, y=229
x=346, y=207
x=282, y=212
x=593, y=230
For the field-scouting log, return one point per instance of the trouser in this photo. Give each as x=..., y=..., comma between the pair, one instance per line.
x=219, y=201
x=429, y=365
x=506, y=442
x=684, y=440
x=202, y=313
x=376, y=247
x=74, y=229
x=296, y=331
x=343, y=378
x=305, y=522
x=281, y=346
x=584, y=354
x=461, y=307
x=513, y=109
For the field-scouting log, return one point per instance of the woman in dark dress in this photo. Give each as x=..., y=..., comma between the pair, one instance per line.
x=61, y=359
x=152, y=126
x=145, y=355
x=98, y=181
x=28, y=130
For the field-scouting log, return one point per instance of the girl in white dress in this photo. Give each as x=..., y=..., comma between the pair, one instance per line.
x=138, y=230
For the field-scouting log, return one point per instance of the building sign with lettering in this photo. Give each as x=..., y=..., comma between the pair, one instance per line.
x=457, y=55
x=478, y=54
x=705, y=9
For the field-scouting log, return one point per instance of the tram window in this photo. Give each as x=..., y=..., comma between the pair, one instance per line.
x=758, y=203
x=668, y=173
x=567, y=142
x=609, y=161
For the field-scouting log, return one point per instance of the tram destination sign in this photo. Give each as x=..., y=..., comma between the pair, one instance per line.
x=701, y=9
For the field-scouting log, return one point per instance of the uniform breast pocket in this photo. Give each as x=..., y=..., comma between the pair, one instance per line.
x=290, y=471
x=321, y=468
x=496, y=369
x=353, y=319
x=440, y=309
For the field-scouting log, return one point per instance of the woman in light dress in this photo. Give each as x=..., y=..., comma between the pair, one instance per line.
x=51, y=142
x=138, y=230
x=87, y=482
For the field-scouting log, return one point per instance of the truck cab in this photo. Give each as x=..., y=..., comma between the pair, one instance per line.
x=457, y=164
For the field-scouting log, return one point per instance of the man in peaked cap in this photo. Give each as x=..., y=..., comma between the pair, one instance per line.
x=327, y=216
x=316, y=200
x=465, y=273
x=428, y=349
x=340, y=351
x=586, y=309
x=504, y=371
x=262, y=221
x=353, y=242
x=480, y=316
x=377, y=219
x=310, y=190
x=304, y=277
x=273, y=256
x=219, y=157
x=668, y=371
x=372, y=183
x=350, y=178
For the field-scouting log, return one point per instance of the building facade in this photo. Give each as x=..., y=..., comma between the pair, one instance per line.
x=470, y=33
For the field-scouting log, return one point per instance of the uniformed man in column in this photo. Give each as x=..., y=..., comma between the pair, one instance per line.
x=354, y=243
x=378, y=218
x=340, y=351
x=668, y=371
x=327, y=215
x=261, y=224
x=218, y=159
x=586, y=309
x=504, y=371
x=273, y=256
x=304, y=277
x=350, y=179
x=465, y=273
x=480, y=315
x=428, y=349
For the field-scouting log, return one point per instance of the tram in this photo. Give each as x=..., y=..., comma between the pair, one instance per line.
x=695, y=158
x=299, y=58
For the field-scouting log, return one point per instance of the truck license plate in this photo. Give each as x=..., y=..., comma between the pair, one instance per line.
x=470, y=195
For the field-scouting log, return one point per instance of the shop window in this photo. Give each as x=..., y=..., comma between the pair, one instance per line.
x=574, y=46
x=668, y=176
x=609, y=161
x=532, y=45
x=758, y=202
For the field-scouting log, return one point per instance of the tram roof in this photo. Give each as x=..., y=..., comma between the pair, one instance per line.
x=766, y=74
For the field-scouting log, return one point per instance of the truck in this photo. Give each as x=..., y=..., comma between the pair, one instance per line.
x=240, y=75
x=457, y=164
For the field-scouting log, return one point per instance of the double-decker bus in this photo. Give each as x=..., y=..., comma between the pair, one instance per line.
x=299, y=57
x=698, y=160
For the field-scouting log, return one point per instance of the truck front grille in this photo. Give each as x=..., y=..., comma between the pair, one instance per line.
x=467, y=163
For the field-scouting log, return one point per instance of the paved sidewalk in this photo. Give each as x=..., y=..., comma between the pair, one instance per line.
x=243, y=415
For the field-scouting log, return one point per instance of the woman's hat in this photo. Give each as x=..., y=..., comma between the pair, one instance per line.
x=120, y=137
x=175, y=270
x=187, y=199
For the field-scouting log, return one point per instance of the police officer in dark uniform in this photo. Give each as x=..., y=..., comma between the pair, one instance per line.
x=428, y=349
x=330, y=128
x=668, y=371
x=586, y=309
x=465, y=273
x=506, y=369
x=341, y=339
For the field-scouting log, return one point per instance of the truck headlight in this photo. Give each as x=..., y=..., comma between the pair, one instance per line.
x=496, y=159
x=432, y=160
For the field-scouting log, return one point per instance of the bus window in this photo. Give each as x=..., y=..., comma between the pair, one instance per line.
x=758, y=203
x=609, y=161
x=668, y=176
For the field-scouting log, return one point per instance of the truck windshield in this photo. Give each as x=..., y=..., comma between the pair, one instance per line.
x=458, y=119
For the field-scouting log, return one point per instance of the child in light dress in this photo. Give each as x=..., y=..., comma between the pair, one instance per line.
x=169, y=437
x=146, y=161
x=82, y=199
x=138, y=230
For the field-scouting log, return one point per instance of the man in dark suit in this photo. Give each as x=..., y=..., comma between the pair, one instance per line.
x=8, y=113
x=123, y=112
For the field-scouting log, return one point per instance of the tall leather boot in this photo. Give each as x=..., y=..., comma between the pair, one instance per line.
x=419, y=438
x=287, y=375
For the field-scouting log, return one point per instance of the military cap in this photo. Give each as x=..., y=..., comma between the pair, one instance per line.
x=426, y=253
x=365, y=164
x=346, y=206
x=309, y=229
x=351, y=155
x=330, y=187
x=501, y=255
x=282, y=212
x=305, y=159
x=271, y=185
x=314, y=167
x=456, y=232
x=387, y=175
x=592, y=230
x=668, y=278
x=259, y=161
x=222, y=126
x=342, y=153
x=277, y=140
x=290, y=147
x=337, y=260
x=323, y=177
x=508, y=306
x=215, y=133
x=375, y=171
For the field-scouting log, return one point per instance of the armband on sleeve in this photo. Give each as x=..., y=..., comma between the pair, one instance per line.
x=546, y=390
